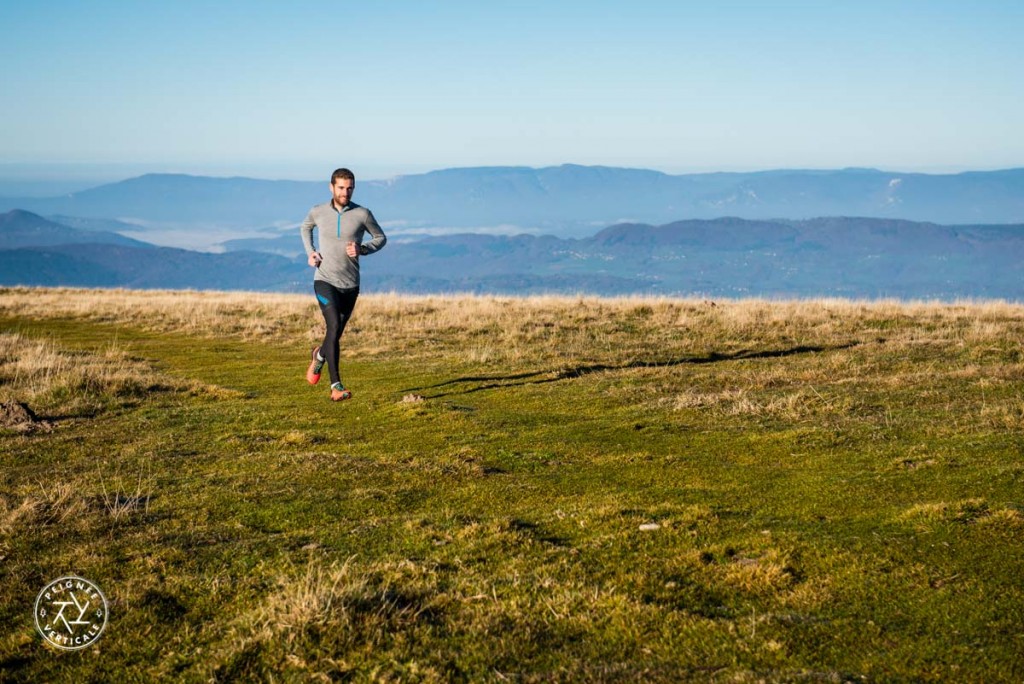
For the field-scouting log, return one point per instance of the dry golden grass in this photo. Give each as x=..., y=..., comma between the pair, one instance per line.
x=38, y=371
x=14, y=515
x=62, y=382
x=79, y=502
x=867, y=347
x=482, y=328
x=975, y=510
x=250, y=316
x=344, y=605
x=767, y=573
x=567, y=336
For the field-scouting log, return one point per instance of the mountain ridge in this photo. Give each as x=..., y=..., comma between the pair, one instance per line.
x=20, y=228
x=568, y=200
x=728, y=256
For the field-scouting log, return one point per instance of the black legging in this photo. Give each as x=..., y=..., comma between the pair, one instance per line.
x=336, y=306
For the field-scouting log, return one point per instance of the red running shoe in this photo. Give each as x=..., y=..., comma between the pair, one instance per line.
x=315, y=366
x=339, y=393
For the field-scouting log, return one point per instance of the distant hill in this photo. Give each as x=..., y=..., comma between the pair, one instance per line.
x=849, y=257
x=170, y=199
x=568, y=200
x=20, y=228
x=93, y=265
x=733, y=257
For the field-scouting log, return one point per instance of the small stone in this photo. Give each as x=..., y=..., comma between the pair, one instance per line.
x=411, y=399
x=647, y=527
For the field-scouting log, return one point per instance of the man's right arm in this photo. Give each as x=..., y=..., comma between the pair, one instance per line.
x=313, y=257
x=306, y=231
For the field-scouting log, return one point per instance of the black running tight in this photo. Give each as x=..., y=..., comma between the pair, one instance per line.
x=336, y=306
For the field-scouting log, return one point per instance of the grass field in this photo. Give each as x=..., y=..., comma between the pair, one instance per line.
x=544, y=489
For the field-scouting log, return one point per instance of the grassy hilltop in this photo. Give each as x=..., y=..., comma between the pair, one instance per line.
x=541, y=489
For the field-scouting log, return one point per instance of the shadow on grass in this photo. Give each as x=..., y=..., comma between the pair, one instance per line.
x=544, y=377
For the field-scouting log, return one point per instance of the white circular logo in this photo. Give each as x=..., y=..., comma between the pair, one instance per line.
x=71, y=613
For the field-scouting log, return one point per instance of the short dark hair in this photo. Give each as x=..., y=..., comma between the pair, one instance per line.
x=342, y=173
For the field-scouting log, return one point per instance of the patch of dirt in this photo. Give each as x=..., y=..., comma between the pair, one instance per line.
x=18, y=416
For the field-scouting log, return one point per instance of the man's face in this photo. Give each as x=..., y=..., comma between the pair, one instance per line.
x=342, y=188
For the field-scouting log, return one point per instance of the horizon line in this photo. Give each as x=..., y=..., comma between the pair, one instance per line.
x=33, y=179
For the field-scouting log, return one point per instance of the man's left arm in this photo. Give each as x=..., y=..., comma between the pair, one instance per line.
x=374, y=229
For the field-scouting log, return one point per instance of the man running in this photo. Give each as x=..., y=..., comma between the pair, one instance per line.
x=341, y=224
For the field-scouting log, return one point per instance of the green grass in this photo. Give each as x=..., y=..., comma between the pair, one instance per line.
x=842, y=508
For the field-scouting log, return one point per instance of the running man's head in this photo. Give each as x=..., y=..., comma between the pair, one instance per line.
x=343, y=184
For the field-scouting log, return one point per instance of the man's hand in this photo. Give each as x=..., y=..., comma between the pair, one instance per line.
x=315, y=259
x=352, y=250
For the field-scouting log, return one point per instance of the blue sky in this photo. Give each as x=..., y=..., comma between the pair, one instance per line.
x=289, y=90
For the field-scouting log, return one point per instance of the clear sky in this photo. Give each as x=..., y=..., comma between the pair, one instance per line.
x=291, y=89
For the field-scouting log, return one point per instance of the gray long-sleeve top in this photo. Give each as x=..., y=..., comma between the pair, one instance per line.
x=336, y=229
